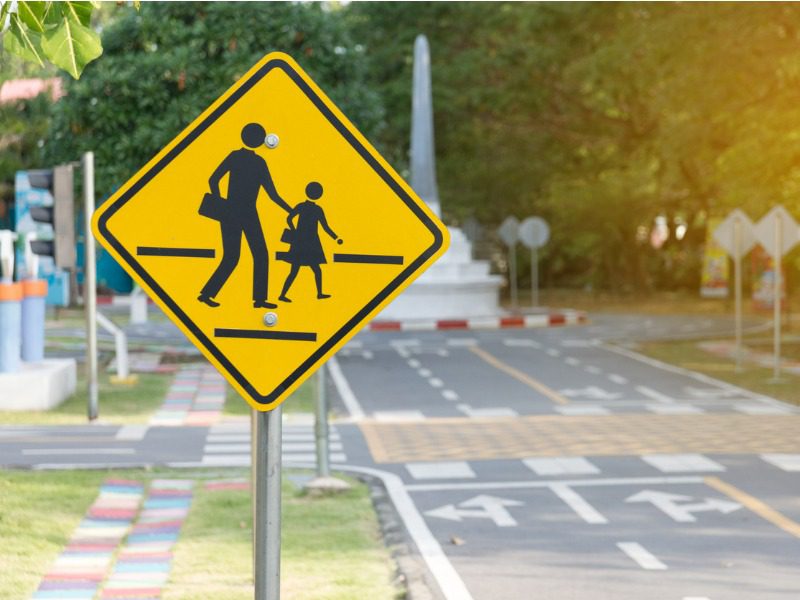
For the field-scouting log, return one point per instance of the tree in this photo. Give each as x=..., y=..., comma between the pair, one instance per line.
x=164, y=65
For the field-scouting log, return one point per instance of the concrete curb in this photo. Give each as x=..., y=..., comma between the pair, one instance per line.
x=506, y=322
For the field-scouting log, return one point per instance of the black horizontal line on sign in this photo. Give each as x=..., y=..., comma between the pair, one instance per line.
x=368, y=259
x=176, y=252
x=257, y=334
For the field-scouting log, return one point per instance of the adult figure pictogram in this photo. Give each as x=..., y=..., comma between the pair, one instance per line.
x=247, y=175
x=305, y=246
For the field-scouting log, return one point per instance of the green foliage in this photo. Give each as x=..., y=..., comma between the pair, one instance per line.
x=59, y=32
x=165, y=64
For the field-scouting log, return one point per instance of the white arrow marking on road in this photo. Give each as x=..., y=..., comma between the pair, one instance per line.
x=682, y=513
x=479, y=507
x=592, y=391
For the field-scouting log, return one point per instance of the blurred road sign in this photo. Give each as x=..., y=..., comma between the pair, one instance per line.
x=725, y=234
x=509, y=231
x=349, y=233
x=534, y=232
x=777, y=226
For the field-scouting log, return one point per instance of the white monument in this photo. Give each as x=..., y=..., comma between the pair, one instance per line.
x=455, y=286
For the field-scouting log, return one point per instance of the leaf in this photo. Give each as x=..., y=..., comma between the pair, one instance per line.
x=70, y=45
x=80, y=11
x=32, y=14
x=24, y=43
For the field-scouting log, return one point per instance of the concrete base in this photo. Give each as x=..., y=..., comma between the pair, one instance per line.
x=455, y=287
x=327, y=485
x=38, y=386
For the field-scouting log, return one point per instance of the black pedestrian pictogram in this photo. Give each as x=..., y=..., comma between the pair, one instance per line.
x=248, y=173
x=305, y=247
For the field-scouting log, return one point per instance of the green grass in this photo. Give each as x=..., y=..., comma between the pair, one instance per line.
x=117, y=403
x=301, y=401
x=38, y=513
x=332, y=549
x=752, y=377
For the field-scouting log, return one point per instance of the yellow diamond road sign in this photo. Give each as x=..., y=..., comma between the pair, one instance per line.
x=270, y=231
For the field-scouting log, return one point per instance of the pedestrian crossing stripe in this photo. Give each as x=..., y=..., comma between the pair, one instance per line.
x=331, y=207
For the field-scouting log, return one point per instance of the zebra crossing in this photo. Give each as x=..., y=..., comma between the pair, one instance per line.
x=228, y=444
x=581, y=466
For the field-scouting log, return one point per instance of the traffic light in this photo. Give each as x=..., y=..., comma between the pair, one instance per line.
x=61, y=215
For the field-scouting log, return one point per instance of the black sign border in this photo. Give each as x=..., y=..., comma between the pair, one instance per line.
x=266, y=401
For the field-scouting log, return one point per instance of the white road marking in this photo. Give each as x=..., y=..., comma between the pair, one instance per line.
x=367, y=354
x=461, y=342
x=308, y=446
x=414, y=363
x=692, y=375
x=131, y=433
x=354, y=345
x=618, y=379
x=522, y=485
x=561, y=465
x=515, y=343
x=762, y=409
x=243, y=460
x=786, y=462
x=553, y=352
x=580, y=343
x=442, y=352
x=424, y=372
x=592, y=392
x=226, y=448
x=441, y=470
x=447, y=578
x=682, y=513
x=345, y=392
x=593, y=370
x=577, y=503
x=450, y=395
x=682, y=463
x=217, y=438
x=572, y=361
x=674, y=409
x=403, y=342
x=587, y=409
x=398, y=415
x=479, y=507
x=436, y=382
x=75, y=451
x=654, y=395
x=497, y=411
x=641, y=556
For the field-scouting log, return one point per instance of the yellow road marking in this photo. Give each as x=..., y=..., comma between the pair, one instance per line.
x=755, y=505
x=519, y=376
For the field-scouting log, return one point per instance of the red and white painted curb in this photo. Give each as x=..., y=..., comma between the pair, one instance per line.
x=507, y=322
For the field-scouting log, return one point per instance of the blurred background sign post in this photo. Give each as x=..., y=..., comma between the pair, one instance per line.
x=534, y=233
x=737, y=237
x=509, y=233
x=778, y=233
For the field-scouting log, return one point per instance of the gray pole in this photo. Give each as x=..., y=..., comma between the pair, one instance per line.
x=423, y=159
x=737, y=283
x=535, y=275
x=268, y=505
x=90, y=285
x=321, y=427
x=512, y=267
x=253, y=476
x=777, y=262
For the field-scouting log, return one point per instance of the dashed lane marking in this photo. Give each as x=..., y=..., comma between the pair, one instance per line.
x=654, y=395
x=682, y=463
x=618, y=379
x=519, y=376
x=641, y=556
x=441, y=470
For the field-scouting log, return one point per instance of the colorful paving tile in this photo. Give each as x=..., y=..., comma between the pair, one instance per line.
x=82, y=566
x=196, y=397
x=143, y=564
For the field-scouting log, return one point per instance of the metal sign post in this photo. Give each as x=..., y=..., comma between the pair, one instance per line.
x=777, y=261
x=268, y=505
x=534, y=232
x=321, y=427
x=737, y=284
x=509, y=233
x=90, y=285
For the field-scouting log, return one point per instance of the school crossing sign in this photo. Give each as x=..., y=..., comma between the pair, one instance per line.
x=270, y=231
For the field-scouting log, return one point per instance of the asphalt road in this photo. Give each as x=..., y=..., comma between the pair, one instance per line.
x=527, y=464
